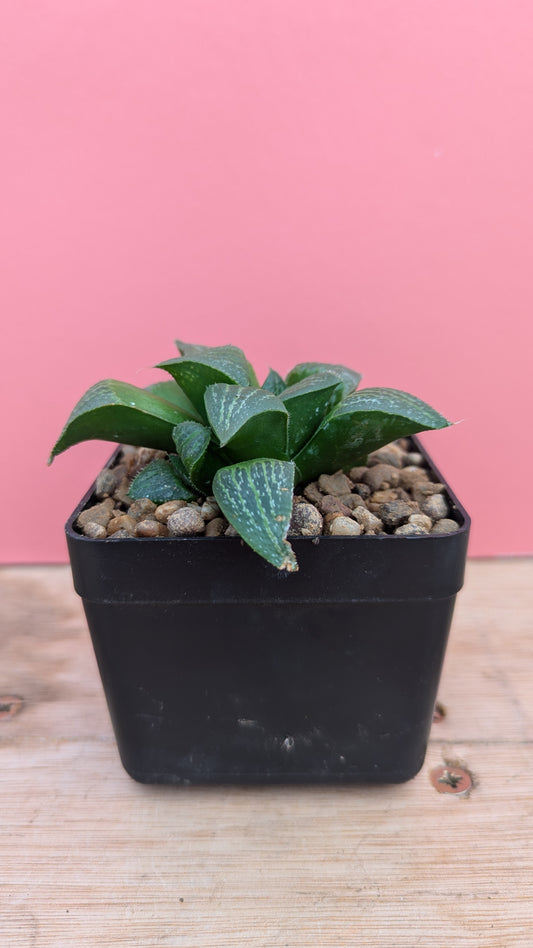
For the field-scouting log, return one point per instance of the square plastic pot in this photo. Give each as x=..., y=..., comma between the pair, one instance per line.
x=218, y=668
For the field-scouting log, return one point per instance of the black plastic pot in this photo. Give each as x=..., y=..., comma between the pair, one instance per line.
x=218, y=668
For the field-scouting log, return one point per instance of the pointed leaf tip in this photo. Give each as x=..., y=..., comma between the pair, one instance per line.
x=256, y=497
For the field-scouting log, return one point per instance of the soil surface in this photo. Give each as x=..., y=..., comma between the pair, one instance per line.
x=395, y=493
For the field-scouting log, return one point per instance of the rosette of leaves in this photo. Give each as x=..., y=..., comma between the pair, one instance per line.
x=248, y=445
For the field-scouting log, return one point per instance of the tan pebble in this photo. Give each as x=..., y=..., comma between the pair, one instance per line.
x=121, y=494
x=390, y=454
x=373, y=508
x=210, y=510
x=122, y=522
x=99, y=513
x=369, y=522
x=187, y=521
x=404, y=494
x=345, y=527
x=411, y=476
x=313, y=493
x=119, y=471
x=128, y=456
x=395, y=513
x=94, y=530
x=332, y=505
x=382, y=476
x=151, y=528
x=335, y=484
x=306, y=521
x=351, y=500
x=413, y=457
x=435, y=507
x=357, y=473
x=445, y=526
x=105, y=484
x=426, y=489
x=410, y=530
x=122, y=535
x=142, y=508
x=143, y=456
x=421, y=520
x=163, y=512
x=384, y=496
x=216, y=527
x=231, y=531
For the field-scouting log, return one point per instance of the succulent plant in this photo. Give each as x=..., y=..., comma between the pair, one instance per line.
x=246, y=444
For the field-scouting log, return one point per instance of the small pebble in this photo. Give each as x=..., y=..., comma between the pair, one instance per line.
x=122, y=535
x=410, y=530
x=99, y=513
x=413, y=457
x=94, y=530
x=121, y=494
x=344, y=527
x=142, y=508
x=151, y=528
x=332, y=505
x=426, y=489
x=216, y=527
x=382, y=476
x=363, y=490
x=231, y=531
x=163, y=512
x=435, y=506
x=352, y=500
x=421, y=520
x=121, y=522
x=369, y=522
x=210, y=510
x=357, y=474
x=105, y=484
x=390, y=454
x=186, y=522
x=445, y=526
x=143, y=456
x=306, y=521
x=313, y=493
x=335, y=484
x=396, y=512
x=410, y=476
x=384, y=496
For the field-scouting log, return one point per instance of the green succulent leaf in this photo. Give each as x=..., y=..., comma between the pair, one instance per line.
x=194, y=372
x=248, y=422
x=360, y=424
x=273, y=383
x=256, y=498
x=172, y=393
x=192, y=442
x=118, y=411
x=303, y=370
x=308, y=402
x=161, y=481
x=229, y=353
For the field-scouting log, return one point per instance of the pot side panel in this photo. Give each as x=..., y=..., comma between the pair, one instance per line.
x=225, y=692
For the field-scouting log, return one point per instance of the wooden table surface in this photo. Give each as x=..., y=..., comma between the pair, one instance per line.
x=88, y=857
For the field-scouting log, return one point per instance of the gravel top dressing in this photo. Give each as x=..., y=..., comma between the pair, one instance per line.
x=392, y=494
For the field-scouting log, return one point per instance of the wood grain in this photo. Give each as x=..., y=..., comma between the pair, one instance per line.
x=90, y=858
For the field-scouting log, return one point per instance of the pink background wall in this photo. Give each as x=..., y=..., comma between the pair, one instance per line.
x=342, y=181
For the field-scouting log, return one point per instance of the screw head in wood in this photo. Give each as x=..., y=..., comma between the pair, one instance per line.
x=449, y=779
